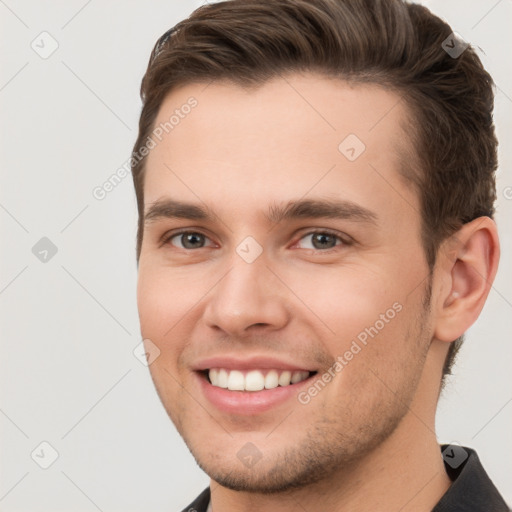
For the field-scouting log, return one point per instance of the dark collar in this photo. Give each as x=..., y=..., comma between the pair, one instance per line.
x=200, y=504
x=471, y=490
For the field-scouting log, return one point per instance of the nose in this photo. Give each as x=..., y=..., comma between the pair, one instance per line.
x=248, y=299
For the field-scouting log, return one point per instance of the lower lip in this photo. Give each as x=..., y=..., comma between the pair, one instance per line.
x=250, y=402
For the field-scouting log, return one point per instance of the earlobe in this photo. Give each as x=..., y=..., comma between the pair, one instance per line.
x=467, y=273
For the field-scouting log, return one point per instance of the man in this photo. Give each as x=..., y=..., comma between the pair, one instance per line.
x=315, y=184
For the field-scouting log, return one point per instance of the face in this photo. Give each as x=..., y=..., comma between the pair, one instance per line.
x=282, y=277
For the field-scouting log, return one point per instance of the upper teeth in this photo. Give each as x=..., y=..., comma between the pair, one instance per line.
x=254, y=380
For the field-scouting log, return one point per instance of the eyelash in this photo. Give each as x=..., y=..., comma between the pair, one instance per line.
x=344, y=241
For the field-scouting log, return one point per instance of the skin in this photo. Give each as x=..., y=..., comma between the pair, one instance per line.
x=367, y=440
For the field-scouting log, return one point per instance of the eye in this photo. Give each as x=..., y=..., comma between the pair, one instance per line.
x=187, y=240
x=321, y=240
x=315, y=240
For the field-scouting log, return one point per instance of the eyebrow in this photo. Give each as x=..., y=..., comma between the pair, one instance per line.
x=168, y=208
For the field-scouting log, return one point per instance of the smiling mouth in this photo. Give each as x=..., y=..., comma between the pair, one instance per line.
x=254, y=380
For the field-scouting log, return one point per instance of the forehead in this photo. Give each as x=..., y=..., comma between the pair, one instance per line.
x=293, y=135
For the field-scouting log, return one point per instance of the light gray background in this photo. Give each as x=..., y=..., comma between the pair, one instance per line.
x=69, y=326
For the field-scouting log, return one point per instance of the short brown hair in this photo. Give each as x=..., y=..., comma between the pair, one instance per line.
x=392, y=43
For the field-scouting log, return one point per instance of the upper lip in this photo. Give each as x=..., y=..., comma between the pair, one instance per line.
x=248, y=363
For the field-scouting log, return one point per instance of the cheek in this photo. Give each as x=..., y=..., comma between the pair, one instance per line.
x=345, y=300
x=162, y=307
x=163, y=300
x=392, y=346
x=365, y=318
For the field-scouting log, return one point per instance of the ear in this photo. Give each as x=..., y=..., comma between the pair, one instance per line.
x=468, y=262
